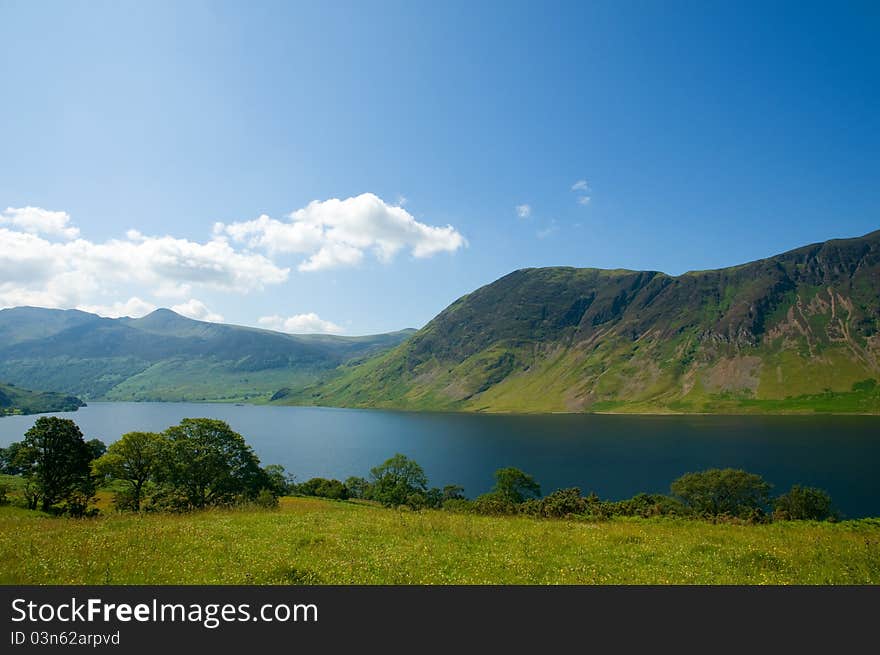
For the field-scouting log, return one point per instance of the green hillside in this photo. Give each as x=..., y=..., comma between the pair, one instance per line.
x=165, y=356
x=14, y=400
x=797, y=332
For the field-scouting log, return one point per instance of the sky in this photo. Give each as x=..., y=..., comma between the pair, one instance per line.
x=354, y=167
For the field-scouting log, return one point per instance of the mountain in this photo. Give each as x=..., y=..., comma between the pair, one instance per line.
x=165, y=356
x=797, y=332
x=22, y=401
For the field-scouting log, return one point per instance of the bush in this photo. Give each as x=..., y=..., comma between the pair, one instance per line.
x=647, y=505
x=564, y=502
x=323, y=488
x=493, y=504
x=416, y=501
x=266, y=499
x=803, y=504
x=4, y=499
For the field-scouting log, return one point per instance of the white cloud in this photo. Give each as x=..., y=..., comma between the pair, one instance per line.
x=35, y=220
x=300, y=324
x=334, y=233
x=38, y=270
x=134, y=307
x=523, y=211
x=584, y=200
x=581, y=185
x=196, y=309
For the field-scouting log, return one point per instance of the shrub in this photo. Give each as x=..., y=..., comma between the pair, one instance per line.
x=564, y=502
x=416, y=501
x=266, y=499
x=4, y=489
x=646, y=505
x=803, y=504
x=323, y=488
x=493, y=504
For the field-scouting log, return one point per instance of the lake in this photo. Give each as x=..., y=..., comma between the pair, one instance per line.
x=615, y=456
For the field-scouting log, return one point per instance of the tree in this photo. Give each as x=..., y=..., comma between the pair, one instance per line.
x=205, y=462
x=395, y=480
x=8, y=457
x=514, y=486
x=358, y=487
x=54, y=460
x=803, y=504
x=96, y=448
x=134, y=460
x=278, y=481
x=453, y=492
x=722, y=491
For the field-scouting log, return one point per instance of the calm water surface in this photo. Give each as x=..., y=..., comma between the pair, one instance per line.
x=615, y=456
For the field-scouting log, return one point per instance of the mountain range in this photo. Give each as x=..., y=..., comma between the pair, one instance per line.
x=165, y=356
x=796, y=332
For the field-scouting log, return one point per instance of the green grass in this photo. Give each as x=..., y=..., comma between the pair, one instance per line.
x=312, y=541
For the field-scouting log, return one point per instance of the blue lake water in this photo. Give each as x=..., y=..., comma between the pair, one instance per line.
x=615, y=456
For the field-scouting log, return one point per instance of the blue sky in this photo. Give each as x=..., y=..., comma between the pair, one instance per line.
x=708, y=134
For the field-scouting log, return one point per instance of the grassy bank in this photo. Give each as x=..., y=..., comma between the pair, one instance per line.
x=311, y=541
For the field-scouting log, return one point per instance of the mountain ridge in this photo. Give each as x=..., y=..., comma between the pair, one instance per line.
x=792, y=332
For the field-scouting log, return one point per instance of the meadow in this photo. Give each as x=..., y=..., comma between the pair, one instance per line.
x=317, y=541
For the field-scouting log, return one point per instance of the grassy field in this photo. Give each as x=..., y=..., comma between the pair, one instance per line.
x=312, y=541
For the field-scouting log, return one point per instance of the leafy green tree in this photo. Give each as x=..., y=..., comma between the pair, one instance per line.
x=514, y=486
x=278, y=481
x=54, y=460
x=453, y=492
x=96, y=448
x=358, y=487
x=134, y=459
x=8, y=458
x=803, y=504
x=722, y=491
x=206, y=463
x=395, y=480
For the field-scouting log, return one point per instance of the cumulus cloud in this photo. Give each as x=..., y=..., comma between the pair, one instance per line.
x=523, y=211
x=336, y=233
x=65, y=272
x=584, y=200
x=581, y=185
x=198, y=310
x=300, y=324
x=35, y=220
